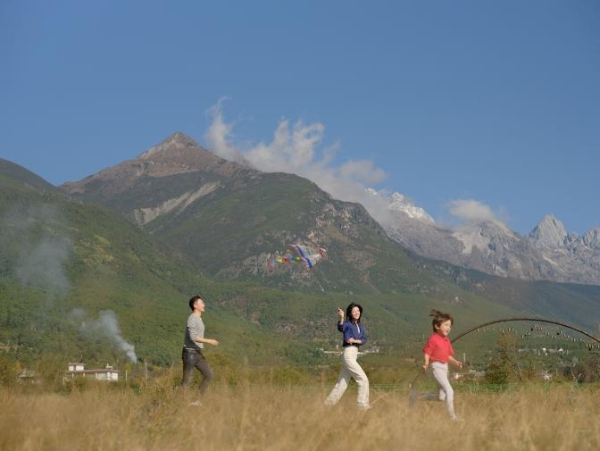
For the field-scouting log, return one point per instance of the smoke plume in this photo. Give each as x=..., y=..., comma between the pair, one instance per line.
x=106, y=326
x=42, y=248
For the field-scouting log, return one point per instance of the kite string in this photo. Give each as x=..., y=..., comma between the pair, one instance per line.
x=505, y=320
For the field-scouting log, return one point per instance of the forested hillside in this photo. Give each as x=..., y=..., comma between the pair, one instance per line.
x=81, y=282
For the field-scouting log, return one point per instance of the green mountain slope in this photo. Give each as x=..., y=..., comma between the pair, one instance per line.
x=18, y=173
x=82, y=283
x=231, y=221
x=79, y=282
x=69, y=270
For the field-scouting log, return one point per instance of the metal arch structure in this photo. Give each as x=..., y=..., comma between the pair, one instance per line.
x=538, y=320
x=508, y=320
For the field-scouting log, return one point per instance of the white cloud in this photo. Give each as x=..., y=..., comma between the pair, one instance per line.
x=362, y=170
x=219, y=134
x=473, y=211
x=298, y=149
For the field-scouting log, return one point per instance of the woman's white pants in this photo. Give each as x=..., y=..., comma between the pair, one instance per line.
x=350, y=370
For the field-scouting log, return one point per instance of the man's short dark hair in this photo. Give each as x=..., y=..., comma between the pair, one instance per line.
x=193, y=301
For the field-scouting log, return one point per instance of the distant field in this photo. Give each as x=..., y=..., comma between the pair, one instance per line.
x=250, y=417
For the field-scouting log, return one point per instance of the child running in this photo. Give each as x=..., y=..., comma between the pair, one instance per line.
x=438, y=352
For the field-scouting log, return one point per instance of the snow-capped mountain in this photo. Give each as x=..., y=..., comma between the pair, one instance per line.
x=549, y=252
x=401, y=204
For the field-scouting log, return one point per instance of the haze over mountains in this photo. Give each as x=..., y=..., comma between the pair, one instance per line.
x=144, y=190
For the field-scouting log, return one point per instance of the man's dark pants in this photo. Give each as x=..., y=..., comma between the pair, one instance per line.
x=194, y=359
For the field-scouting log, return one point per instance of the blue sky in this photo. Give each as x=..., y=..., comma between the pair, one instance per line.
x=495, y=104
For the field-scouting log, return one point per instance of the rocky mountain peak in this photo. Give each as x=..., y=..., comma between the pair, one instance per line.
x=592, y=238
x=177, y=140
x=549, y=233
x=177, y=155
x=181, y=154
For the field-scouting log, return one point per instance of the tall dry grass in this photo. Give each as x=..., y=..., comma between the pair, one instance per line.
x=250, y=417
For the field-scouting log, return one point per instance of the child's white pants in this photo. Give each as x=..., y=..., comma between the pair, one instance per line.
x=440, y=374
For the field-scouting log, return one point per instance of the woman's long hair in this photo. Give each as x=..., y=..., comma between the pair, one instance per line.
x=349, y=311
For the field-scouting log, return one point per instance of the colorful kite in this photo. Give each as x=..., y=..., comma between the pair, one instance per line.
x=307, y=254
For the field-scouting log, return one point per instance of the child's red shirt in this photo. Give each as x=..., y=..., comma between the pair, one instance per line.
x=438, y=348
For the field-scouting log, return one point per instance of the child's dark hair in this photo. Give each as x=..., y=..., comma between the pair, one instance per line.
x=193, y=301
x=439, y=318
x=349, y=311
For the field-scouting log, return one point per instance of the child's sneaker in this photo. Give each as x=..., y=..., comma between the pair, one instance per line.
x=412, y=398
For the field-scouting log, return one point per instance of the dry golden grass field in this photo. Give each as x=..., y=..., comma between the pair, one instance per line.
x=251, y=417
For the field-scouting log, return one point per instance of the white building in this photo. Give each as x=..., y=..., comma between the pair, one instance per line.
x=107, y=373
